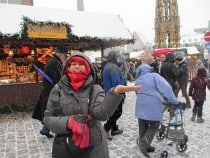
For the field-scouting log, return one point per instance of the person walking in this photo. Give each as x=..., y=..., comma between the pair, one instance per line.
x=54, y=69
x=112, y=77
x=149, y=107
x=197, y=90
x=169, y=71
x=182, y=78
x=76, y=108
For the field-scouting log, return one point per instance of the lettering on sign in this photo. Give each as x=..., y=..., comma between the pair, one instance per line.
x=47, y=31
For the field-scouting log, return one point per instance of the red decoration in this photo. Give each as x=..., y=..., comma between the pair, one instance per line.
x=25, y=50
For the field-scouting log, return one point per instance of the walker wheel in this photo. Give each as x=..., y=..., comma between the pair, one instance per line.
x=160, y=135
x=164, y=154
x=181, y=147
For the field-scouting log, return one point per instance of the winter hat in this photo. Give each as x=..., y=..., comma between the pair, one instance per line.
x=81, y=60
x=179, y=58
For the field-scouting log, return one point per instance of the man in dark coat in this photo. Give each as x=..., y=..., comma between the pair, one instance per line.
x=54, y=69
x=182, y=78
x=169, y=71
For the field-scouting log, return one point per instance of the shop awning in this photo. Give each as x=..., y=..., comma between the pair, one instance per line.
x=108, y=29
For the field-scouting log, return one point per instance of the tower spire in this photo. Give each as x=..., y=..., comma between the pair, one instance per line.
x=167, y=24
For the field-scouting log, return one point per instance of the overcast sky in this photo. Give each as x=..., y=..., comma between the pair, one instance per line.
x=138, y=15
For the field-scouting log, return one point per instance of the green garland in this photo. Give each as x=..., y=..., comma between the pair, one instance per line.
x=22, y=36
x=27, y=21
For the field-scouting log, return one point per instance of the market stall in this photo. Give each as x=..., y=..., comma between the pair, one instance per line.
x=29, y=35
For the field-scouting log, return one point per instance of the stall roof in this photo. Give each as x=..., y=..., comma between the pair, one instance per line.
x=96, y=25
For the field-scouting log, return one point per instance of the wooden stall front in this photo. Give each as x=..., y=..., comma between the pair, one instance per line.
x=20, y=84
x=20, y=94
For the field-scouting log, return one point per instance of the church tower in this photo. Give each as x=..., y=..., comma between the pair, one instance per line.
x=167, y=24
x=80, y=5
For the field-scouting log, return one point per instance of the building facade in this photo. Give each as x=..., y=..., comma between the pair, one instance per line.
x=21, y=2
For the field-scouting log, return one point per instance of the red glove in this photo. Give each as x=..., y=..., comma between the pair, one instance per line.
x=78, y=123
x=85, y=139
x=80, y=129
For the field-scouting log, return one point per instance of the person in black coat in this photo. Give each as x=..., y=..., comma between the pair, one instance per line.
x=169, y=71
x=182, y=78
x=54, y=69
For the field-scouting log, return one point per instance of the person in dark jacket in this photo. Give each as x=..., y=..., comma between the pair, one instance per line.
x=182, y=78
x=54, y=69
x=74, y=96
x=169, y=71
x=112, y=76
x=197, y=90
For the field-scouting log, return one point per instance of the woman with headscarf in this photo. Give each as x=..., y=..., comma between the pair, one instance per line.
x=75, y=109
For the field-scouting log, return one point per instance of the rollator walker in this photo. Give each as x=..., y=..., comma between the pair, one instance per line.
x=173, y=130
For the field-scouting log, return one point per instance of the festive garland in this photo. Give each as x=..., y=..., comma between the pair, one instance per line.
x=23, y=36
x=27, y=21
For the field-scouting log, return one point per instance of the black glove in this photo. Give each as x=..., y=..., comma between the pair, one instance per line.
x=182, y=105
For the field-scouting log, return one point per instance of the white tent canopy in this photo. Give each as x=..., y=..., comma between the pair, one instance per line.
x=136, y=55
x=83, y=23
x=192, y=50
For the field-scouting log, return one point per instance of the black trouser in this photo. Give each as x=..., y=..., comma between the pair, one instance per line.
x=112, y=121
x=198, y=108
x=147, y=130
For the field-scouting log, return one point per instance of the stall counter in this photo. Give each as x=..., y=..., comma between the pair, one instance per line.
x=19, y=94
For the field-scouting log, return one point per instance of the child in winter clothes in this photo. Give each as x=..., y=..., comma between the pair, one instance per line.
x=197, y=90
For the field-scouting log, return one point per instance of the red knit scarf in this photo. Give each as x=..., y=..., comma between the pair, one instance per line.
x=77, y=79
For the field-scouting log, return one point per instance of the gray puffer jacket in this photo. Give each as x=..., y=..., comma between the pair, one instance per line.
x=64, y=102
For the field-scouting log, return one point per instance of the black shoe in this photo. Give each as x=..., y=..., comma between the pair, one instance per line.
x=151, y=149
x=145, y=153
x=48, y=135
x=115, y=132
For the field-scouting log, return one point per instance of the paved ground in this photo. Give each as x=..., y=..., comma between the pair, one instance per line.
x=20, y=138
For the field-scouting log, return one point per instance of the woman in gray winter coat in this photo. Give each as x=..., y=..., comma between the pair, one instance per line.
x=76, y=107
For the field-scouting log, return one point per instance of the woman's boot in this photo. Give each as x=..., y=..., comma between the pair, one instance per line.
x=200, y=120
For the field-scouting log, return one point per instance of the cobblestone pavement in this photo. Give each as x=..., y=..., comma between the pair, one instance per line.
x=20, y=138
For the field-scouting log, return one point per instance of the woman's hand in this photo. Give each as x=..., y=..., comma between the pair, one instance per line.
x=123, y=89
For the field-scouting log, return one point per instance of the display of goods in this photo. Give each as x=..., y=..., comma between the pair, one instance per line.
x=22, y=68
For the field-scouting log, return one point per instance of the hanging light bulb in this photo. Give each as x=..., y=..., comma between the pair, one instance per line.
x=32, y=52
x=11, y=53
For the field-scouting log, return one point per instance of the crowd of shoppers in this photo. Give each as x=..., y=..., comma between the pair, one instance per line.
x=76, y=101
